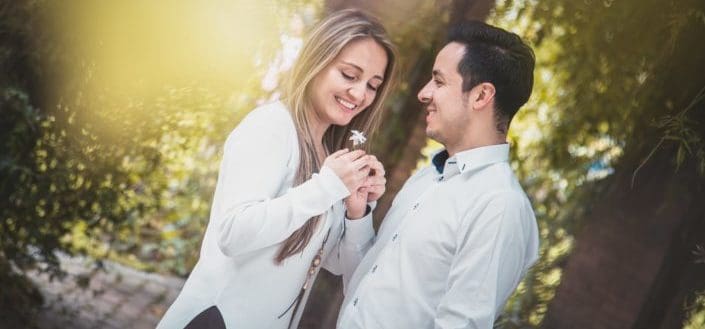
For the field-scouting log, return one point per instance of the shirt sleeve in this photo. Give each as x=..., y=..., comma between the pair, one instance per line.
x=358, y=236
x=250, y=214
x=489, y=263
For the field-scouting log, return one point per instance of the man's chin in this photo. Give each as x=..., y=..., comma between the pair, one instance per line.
x=432, y=134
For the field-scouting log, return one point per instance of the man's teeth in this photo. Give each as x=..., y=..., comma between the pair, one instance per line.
x=346, y=104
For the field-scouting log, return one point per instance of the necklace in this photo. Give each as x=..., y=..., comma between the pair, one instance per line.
x=315, y=263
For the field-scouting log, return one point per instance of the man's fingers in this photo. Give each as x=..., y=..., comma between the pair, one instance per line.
x=374, y=187
x=378, y=171
x=363, y=173
x=376, y=166
x=371, y=181
x=375, y=191
x=375, y=180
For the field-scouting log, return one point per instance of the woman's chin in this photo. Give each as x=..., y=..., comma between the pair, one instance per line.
x=343, y=120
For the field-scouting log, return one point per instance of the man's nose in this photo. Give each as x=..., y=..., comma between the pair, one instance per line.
x=425, y=95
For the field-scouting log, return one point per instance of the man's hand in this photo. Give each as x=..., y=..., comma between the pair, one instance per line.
x=376, y=183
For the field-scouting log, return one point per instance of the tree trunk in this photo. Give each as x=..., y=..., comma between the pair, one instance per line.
x=633, y=265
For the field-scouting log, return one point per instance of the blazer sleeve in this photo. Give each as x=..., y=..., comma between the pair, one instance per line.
x=358, y=237
x=250, y=215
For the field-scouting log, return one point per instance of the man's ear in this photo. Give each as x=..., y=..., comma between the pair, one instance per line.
x=484, y=95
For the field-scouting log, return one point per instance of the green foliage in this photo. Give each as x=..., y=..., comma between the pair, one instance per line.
x=615, y=81
x=682, y=130
x=695, y=317
x=34, y=212
x=107, y=172
x=172, y=161
x=130, y=176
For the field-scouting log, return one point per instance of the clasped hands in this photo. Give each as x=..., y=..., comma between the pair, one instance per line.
x=362, y=174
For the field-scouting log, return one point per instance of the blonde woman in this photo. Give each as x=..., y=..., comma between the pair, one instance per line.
x=291, y=196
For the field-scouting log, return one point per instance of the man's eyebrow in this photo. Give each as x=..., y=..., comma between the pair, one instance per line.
x=437, y=74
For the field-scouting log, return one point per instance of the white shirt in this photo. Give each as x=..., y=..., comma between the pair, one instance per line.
x=451, y=250
x=255, y=208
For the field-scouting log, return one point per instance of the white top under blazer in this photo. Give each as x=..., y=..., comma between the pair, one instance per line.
x=255, y=208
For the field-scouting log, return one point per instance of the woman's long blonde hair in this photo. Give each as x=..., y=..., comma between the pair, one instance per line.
x=324, y=43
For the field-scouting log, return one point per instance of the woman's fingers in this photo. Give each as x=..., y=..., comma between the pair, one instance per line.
x=362, y=162
x=352, y=156
x=338, y=153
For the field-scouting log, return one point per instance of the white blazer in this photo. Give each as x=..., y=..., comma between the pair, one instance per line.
x=255, y=208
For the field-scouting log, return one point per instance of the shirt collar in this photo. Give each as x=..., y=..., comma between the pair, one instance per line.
x=439, y=160
x=472, y=159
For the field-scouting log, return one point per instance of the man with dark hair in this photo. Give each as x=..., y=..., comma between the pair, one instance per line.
x=461, y=233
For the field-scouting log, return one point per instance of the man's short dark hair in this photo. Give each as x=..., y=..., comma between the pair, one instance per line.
x=499, y=57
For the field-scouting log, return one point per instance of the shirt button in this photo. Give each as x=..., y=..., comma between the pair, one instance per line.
x=416, y=205
x=394, y=238
x=374, y=268
x=355, y=302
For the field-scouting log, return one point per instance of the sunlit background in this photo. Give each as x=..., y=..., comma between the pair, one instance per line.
x=116, y=114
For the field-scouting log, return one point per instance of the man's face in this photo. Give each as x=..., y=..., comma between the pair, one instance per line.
x=447, y=109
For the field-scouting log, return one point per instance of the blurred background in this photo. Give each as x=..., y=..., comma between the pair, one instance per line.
x=114, y=115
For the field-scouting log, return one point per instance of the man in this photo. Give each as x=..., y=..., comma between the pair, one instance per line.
x=461, y=233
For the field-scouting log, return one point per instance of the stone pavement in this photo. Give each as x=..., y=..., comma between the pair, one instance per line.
x=116, y=297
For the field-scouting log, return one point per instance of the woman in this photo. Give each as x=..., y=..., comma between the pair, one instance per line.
x=289, y=196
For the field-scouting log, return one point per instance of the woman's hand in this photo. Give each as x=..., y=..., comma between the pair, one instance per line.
x=371, y=190
x=351, y=167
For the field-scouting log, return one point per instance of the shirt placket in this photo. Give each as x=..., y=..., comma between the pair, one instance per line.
x=394, y=240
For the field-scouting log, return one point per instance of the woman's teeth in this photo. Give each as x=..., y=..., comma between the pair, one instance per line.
x=348, y=105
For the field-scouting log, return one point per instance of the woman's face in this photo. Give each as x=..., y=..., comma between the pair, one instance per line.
x=349, y=84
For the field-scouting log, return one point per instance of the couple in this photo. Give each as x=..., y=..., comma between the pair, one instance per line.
x=291, y=198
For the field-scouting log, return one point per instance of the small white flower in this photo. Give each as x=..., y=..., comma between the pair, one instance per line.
x=358, y=138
